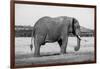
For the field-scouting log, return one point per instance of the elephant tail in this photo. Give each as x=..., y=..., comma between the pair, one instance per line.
x=32, y=35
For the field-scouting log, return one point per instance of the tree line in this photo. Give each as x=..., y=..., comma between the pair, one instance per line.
x=27, y=33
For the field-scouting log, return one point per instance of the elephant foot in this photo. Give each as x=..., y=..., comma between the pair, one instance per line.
x=36, y=55
x=76, y=48
x=63, y=52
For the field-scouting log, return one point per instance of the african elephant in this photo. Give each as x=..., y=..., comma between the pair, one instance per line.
x=48, y=29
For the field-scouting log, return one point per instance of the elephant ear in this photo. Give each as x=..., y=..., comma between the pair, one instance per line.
x=73, y=25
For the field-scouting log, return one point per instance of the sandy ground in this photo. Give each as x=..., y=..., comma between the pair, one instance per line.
x=50, y=53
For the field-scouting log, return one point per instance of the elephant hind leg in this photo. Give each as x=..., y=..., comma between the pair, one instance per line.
x=38, y=41
x=37, y=44
x=37, y=48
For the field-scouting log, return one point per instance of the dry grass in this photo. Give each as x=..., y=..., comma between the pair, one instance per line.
x=50, y=53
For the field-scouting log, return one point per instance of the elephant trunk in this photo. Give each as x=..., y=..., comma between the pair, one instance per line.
x=78, y=43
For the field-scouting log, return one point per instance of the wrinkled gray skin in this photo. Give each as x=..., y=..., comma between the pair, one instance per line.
x=56, y=29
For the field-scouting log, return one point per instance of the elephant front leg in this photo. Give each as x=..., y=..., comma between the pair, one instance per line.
x=64, y=45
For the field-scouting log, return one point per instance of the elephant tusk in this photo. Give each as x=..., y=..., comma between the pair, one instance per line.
x=79, y=37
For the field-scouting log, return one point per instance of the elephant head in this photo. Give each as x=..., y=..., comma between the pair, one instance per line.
x=76, y=31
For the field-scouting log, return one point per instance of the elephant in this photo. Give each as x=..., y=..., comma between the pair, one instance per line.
x=55, y=29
